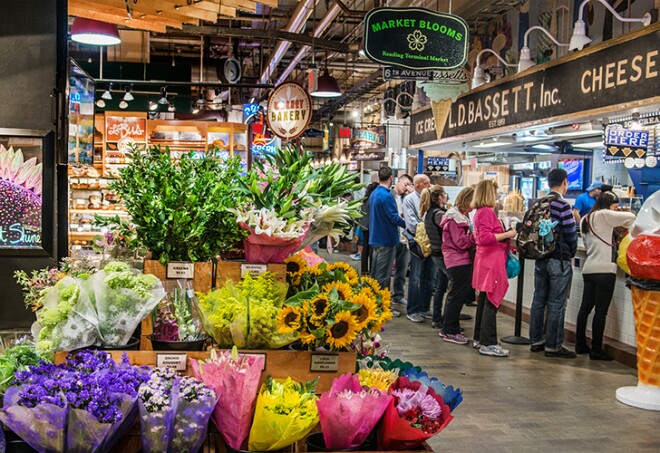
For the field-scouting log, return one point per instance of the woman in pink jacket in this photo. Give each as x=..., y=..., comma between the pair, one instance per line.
x=489, y=275
x=457, y=240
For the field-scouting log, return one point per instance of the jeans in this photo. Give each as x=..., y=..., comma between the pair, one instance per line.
x=441, y=283
x=485, y=323
x=420, y=284
x=460, y=293
x=552, y=281
x=402, y=259
x=598, y=290
x=381, y=266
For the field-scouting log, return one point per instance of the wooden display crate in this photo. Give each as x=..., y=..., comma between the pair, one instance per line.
x=235, y=270
x=280, y=363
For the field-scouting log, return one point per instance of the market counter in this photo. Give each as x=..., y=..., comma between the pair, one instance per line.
x=620, y=318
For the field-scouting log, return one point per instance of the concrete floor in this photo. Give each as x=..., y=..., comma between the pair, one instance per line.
x=526, y=402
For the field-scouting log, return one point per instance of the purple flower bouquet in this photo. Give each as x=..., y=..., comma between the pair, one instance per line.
x=235, y=381
x=83, y=405
x=157, y=411
x=194, y=403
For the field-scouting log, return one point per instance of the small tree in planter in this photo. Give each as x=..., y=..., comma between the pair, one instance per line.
x=181, y=208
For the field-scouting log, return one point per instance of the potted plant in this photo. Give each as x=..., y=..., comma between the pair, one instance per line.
x=181, y=209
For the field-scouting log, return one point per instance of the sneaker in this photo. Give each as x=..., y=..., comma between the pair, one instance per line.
x=403, y=302
x=356, y=257
x=494, y=350
x=442, y=334
x=537, y=347
x=396, y=313
x=415, y=317
x=561, y=353
x=436, y=324
x=582, y=349
x=599, y=354
x=457, y=339
x=476, y=344
x=427, y=315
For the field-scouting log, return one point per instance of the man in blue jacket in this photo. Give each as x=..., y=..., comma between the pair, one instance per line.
x=384, y=221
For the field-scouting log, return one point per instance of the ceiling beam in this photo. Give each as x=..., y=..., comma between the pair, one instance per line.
x=110, y=18
x=252, y=33
x=142, y=7
x=121, y=12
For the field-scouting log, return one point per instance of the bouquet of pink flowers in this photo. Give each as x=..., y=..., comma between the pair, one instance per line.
x=415, y=414
x=235, y=380
x=348, y=412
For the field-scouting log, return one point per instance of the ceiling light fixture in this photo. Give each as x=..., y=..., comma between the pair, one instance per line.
x=580, y=38
x=100, y=104
x=479, y=76
x=163, y=96
x=496, y=142
x=129, y=96
x=106, y=94
x=589, y=145
x=123, y=104
x=89, y=31
x=327, y=86
x=526, y=61
x=195, y=109
x=152, y=105
x=171, y=107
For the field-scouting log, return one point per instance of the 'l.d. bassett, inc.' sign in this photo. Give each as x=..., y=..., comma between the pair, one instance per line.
x=415, y=38
x=615, y=74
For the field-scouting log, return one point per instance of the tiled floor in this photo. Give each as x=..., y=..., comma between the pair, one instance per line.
x=526, y=402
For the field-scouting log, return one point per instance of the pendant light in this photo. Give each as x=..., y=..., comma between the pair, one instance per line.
x=107, y=95
x=163, y=97
x=128, y=96
x=327, y=86
x=94, y=32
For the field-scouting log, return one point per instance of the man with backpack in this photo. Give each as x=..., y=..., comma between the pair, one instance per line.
x=553, y=270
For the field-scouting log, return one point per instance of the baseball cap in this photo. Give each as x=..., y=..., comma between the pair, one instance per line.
x=595, y=185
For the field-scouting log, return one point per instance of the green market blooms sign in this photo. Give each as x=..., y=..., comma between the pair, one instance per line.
x=415, y=38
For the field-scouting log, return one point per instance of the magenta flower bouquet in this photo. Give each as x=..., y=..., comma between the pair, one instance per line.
x=235, y=380
x=348, y=412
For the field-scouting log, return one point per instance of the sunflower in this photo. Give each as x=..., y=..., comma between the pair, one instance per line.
x=315, y=271
x=344, y=291
x=370, y=283
x=319, y=307
x=306, y=337
x=294, y=264
x=289, y=319
x=342, y=332
x=295, y=278
x=367, y=311
x=385, y=299
x=349, y=272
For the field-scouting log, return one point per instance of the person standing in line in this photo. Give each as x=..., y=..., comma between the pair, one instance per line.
x=421, y=269
x=599, y=271
x=585, y=201
x=553, y=276
x=363, y=222
x=489, y=275
x=358, y=241
x=432, y=208
x=457, y=240
x=384, y=221
x=403, y=187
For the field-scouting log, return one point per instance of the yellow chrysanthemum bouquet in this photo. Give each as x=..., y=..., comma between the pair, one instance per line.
x=330, y=306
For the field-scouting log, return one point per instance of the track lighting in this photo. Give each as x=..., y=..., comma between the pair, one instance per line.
x=152, y=105
x=100, y=104
x=128, y=96
x=163, y=96
x=106, y=94
x=123, y=104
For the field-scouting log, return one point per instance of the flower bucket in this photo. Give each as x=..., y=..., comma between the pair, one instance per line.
x=263, y=248
x=162, y=345
x=132, y=345
x=315, y=442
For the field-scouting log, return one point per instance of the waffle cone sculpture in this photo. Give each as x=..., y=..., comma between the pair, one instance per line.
x=647, y=332
x=440, y=114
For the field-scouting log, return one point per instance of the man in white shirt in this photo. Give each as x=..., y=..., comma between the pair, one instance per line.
x=403, y=187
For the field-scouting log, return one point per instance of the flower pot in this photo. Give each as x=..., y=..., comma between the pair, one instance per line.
x=132, y=345
x=162, y=345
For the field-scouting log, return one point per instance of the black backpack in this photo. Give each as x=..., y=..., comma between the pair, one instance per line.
x=531, y=245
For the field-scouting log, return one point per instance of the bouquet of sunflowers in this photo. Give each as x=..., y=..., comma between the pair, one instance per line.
x=330, y=306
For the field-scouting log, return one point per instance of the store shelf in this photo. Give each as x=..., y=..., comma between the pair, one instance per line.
x=99, y=211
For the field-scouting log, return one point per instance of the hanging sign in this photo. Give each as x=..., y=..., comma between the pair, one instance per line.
x=621, y=142
x=451, y=77
x=422, y=127
x=289, y=110
x=415, y=38
x=368, y=138
x=129, y=129
x=440, y=165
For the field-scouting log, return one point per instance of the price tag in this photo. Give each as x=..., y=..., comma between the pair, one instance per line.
x=324, y=362
x=175, y=361
x=180, y=269
x=254, y=270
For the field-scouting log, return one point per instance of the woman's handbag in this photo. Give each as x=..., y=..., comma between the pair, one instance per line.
x=512, y=266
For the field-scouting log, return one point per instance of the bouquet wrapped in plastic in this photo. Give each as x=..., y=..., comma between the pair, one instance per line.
x=285, y=413
x=83, y=405
x=450, y=396
x=377, y=378
x=174, y=412
x=177, y=318
x=235, y=380
x=348, y=412
x=415, y=414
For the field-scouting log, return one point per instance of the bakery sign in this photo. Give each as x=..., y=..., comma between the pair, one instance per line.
x=621, y=142
x=289, y=110
x=119, y=128
x=415, y=38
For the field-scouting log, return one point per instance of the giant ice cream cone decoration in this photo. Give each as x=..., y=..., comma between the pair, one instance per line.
x=441, y=111
x=647, y=334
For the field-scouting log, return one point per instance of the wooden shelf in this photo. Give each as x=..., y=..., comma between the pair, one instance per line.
x=99, y=211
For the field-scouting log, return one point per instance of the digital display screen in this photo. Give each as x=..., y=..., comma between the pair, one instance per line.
x=81, y=116
x=575, y=170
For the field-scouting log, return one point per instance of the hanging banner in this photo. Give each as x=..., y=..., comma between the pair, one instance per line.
x=621, y=142
x=289, y=110
x=415, y=38
x=368, y=138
